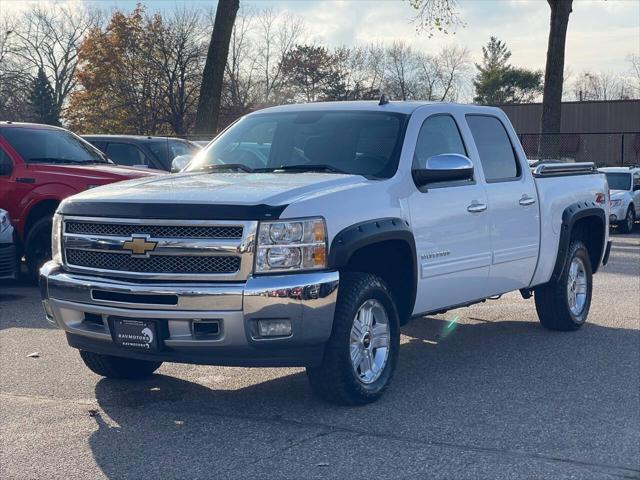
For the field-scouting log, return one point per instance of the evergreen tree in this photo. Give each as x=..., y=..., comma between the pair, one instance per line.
x=42, y=101
x=498, y=82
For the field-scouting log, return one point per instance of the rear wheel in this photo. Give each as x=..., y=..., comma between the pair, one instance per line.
x=118, y=367
x=563, y=304
x=361, y=354
x=627, y=224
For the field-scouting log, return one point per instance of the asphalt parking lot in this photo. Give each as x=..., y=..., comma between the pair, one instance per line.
x=489, y=395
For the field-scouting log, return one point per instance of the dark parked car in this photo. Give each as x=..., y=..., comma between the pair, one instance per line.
x=140, y=151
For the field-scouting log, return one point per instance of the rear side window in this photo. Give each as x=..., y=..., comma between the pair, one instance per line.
x=496, y=152
x=439, y=134
x=126, y=154
x=99, y=145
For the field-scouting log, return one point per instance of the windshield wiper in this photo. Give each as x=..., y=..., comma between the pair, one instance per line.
x=64, y=160
x=309, y=168
x=229, y=166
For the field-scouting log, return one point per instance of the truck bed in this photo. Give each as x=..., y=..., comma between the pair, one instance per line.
x=559, y=186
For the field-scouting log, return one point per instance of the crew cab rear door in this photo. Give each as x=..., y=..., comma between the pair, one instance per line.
x=513, y=211
x=449, y=222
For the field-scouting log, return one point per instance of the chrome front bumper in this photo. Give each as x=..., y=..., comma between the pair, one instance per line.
x=306, y=299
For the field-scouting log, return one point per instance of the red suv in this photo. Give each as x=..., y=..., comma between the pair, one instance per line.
x=41, y=165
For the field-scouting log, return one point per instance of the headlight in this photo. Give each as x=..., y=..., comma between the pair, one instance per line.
x=291, y=245
x=616, y=203
x=56, y=239
x=5, y=221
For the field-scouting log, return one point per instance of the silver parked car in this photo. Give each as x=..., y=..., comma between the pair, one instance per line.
x=8, y=251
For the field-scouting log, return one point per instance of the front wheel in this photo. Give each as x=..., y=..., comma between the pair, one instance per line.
x=361, y=354
x=627, y=225
x=38, y=247
x=118, y=367
x=563, y=303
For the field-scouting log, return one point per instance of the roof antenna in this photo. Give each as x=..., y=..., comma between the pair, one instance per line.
x=383, y=99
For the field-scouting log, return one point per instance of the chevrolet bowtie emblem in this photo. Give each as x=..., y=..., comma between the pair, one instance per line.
x=139, y=245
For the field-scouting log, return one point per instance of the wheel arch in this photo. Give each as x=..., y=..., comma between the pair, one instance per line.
x=40, y=210
x=586, y=221
x=384, y=247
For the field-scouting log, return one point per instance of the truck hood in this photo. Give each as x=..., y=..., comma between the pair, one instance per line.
x=94, y=173
x=222, y=188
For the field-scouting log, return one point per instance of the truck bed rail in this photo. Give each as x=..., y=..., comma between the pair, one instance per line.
x=562, y=169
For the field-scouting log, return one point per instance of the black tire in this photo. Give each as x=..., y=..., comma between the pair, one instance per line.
x=552, y=298
x=626, y=226
x=38, y=247
x=335, y=379
x=118, y=367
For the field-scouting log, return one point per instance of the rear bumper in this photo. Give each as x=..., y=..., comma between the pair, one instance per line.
x=81, y=305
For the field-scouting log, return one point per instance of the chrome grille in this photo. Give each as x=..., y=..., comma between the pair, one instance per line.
x=156, y=231
x=198, y=250
x=221, y=264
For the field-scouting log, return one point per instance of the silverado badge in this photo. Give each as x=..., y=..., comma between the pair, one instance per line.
x=139, y=245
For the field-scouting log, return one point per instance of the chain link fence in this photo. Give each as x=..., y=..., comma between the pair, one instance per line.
x=603, y=149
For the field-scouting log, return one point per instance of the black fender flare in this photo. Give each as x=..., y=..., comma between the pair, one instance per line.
x=573, y=213
x=360, y=235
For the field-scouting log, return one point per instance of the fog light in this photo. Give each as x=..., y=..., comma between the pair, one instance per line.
x=613, y=218
x=274, y=328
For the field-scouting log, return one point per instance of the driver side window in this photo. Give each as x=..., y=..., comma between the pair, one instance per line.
x=439, y=134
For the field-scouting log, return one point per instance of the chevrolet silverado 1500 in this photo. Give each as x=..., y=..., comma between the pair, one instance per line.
x=306, y=235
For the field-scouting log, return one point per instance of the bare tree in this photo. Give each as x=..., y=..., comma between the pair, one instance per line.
x=634, y=72
x=402, y=64
x=601, y=86
x=49, y=38
x=213, y=74
x=278, y=34
x=454, y=65
x=15, y=76
x=553, y=79
x=241, y=70
x=180, y=58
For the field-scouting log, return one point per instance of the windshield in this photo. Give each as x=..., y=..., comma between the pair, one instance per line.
x=619, y=181
x=39, y=145
x=167, y=150
x=361, y=143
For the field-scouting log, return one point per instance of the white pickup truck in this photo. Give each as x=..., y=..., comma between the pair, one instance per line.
x=306, y=235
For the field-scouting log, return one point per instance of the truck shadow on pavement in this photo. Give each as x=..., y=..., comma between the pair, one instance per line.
x=501, y=386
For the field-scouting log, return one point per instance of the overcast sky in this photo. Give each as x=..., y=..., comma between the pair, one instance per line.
x=601, y=33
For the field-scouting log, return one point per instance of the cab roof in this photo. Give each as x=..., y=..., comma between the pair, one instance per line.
x=6, y=124
x=405, y=107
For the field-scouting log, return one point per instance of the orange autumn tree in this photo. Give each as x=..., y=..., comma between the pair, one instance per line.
x=122, y=77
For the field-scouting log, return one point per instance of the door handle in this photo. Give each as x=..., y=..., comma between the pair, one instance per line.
x=527, y=200
x=476, y=207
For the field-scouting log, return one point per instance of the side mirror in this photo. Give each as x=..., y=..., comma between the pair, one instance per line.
x=180, y=162
x=448, y=167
